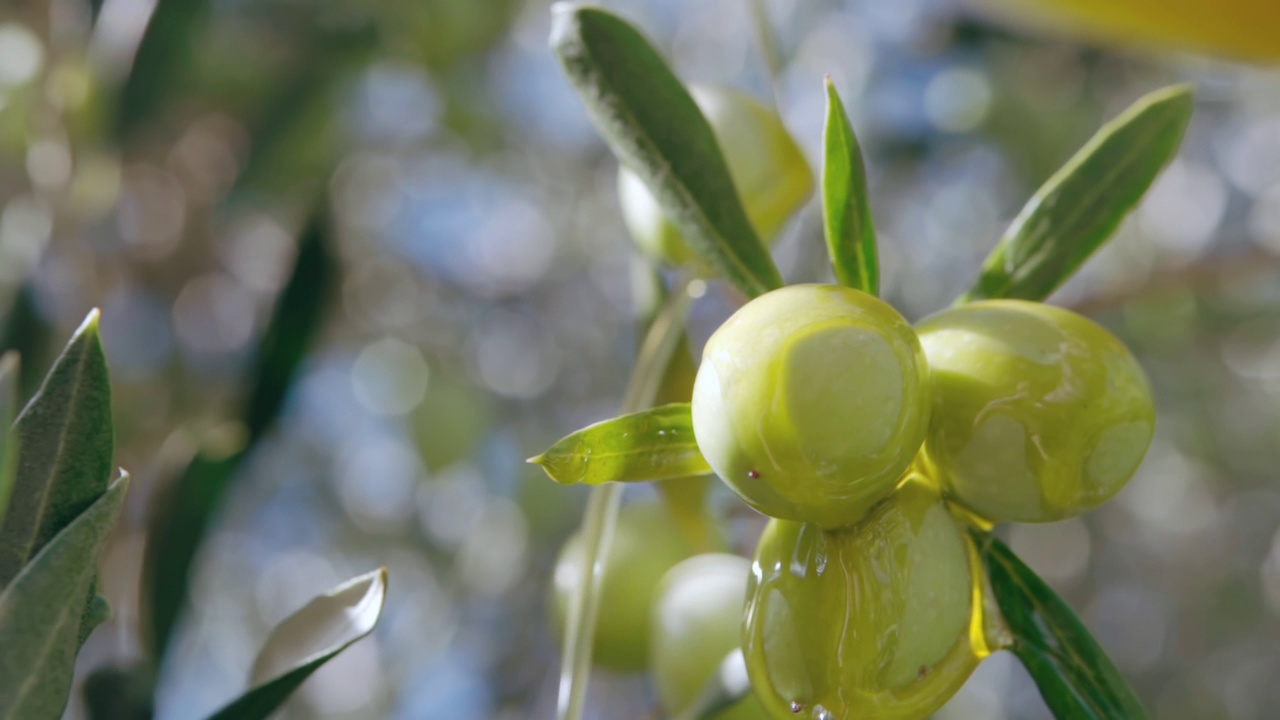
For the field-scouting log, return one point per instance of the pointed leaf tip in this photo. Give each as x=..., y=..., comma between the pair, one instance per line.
x=1078, y=209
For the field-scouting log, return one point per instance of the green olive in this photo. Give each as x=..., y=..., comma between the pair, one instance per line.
x=768, y=169
x=866, y=623
x=697, y=621
x=646, y=543
x=811, y=402
x=1039, y=413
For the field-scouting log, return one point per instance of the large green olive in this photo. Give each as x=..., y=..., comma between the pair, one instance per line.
x=646, y=544
x=1039, y=413
x=768, y=169
x=811, y=402
x=871, y=622
x=697, y=621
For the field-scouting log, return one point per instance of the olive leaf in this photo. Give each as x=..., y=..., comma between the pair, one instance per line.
x=306, y=640
x=41, y=612
x=1081, y=205
x=65, y=443
x=655, y=444
x=1073, y=672
x=846, y=210
x=183, y=511
x=10, y=379
x=654, y=127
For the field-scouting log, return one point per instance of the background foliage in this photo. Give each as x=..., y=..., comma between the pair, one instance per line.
x=483, y=306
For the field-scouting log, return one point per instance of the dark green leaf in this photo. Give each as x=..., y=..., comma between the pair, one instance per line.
x=183, y=511
x=26, y=333
x=1074, y=674
x=846, y=210
x=164, y=55
x=120, y=693
x=40, y=613
x=1079, y=208
x=179, y=518
x=652, y=124
x=298, y=316
x=306, y=640
x=65, y=444
x=655, y=444
x=10, y=377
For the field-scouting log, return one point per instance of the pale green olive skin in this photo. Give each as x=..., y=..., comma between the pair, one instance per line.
x=697, y=621
x=769, y=170
x=646, y=544
x=811, y=402
x=871, y=622
x=1039, y=413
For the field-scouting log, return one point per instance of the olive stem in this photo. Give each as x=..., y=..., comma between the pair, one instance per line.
x=601, y=513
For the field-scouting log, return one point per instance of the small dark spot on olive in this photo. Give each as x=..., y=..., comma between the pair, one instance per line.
x=754, y=475
x=796, y=706
x=922, y=672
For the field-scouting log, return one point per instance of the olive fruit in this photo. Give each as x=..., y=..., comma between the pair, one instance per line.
x=646, y=543
x=697, y=622
x=1039, y=413
x=769, y=170
x=811, y=402
x=865, y=623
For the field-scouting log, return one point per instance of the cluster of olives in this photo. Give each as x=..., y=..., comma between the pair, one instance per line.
x=870, y=443
x=823, y=408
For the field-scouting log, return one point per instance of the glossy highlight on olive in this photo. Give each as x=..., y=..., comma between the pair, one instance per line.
x=1039, y=413
x=811, y=402
x=871, y=622
x=646, y=543
x=770, y=172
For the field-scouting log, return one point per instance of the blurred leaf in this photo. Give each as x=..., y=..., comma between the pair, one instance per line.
x=115, y=693
x=1074, y=674
x=10, y=376
x=846, y=209
x=40, y=613
x=163, y=56
x=298, y=316
x=179, y=517
x=26, y=333
x=182, y=513
x=1078, y=209
x=652, y=124
x=306, y=640
x=65, y=444
x=655, y=444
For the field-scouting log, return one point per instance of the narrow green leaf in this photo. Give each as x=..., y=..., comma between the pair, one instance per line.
x=1081, y=205
x=306, y=640
x=165, y=54
x=654, y=127
x=183, y=512
x=655, y=444
x=846, y=210
x=10, y=381
x=298, y=315
x=179, y=518
x=40, y=613
x=120, y=693
x=1074, y=674
x=65, y=444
